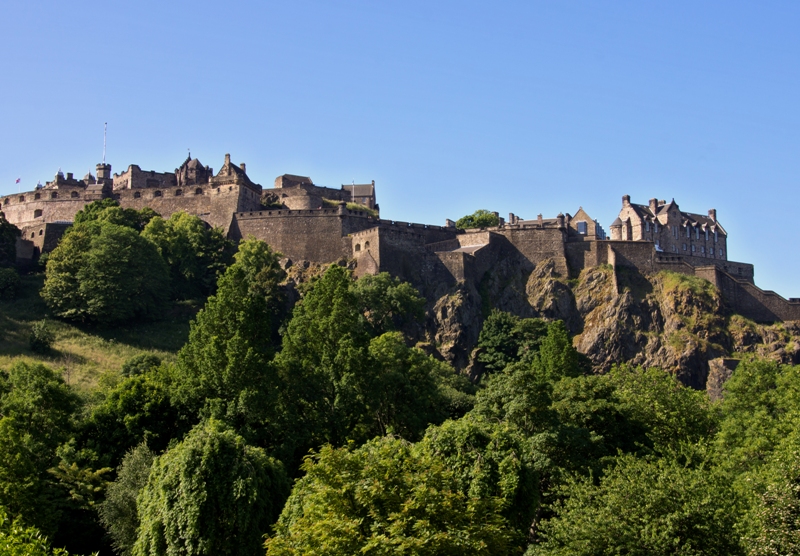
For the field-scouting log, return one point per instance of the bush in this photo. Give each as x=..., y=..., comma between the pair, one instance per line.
x=9, y=283
x=140, y=364
x=41, y=337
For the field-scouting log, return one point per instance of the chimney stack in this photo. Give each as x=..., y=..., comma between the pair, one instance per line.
x=243, y=167
x=653, y=205
x=626, y=200
x=712, y=214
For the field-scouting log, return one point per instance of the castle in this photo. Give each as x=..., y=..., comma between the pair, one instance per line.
x=307, y=222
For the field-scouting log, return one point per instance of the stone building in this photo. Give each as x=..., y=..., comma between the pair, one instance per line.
x=304, y=221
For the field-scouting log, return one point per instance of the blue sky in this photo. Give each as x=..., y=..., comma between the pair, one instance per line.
x=524, y=107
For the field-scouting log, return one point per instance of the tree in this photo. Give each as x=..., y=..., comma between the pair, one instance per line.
x=37, y=411
x=226, y=364
x=647, y=508
x=104, y=273
x=387, y=497
x=140, y=364
x=8, y=241
x=196, y=254
x=118, y=512
x=17, y=539
x=506, y=339
x=212, y=494
x=481, y=218
x=388, y=303
x=108, y=210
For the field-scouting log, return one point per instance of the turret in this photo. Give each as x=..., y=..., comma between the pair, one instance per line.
x=103, y=172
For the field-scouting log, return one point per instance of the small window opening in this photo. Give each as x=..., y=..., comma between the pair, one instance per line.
x=54, y=195
x=37, y=196
x=137, y=195
x=358, y=247
x=37, y=213
x=178, y=192
x=198, y=191
x=74, y=194
x=157, y=194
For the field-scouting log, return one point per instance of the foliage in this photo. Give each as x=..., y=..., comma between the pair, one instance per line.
x=506, y=339
x=118, y=512
x=387, y=497
x=105, y=273
x=37, y=411
x=140, y=364
x=489, y=459
x=481, y=218
x=195, y=253
x=8, y=242
x=41, y=337
x=646, y=508
x=225, y=366
x=9, y=283
x=387, y=302
x=18, y=540
x=211, y=494
x=108, y=210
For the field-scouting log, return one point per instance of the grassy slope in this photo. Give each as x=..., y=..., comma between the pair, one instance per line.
x=86, y=354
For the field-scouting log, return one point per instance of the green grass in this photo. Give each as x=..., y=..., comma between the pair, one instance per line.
x=84, y=354
x=351, y=206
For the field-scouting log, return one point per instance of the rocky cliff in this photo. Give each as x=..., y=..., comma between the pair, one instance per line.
x=676, y=322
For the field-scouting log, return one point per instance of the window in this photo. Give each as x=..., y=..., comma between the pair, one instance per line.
x=198, y=191
x=157, y=194
x=646, y=226
x=694, y=248
x=74, y=194
x=582, y=228
x=54, y=195
x=137, y=195
x=675, y=232
x=722, y=252
x=358, y=247
x=715, y=236
x=6, y=201
x=655, y=227
x=33, y=235
x=37, y=213
x=711, y=250
x=684, y=247
x=366, y=245
x=178, y=192
x=37, y=196
x=41, y=232
x=21, y=199
x=688, y=231
x=703, y=249
x=697, y=233
x=706, y=234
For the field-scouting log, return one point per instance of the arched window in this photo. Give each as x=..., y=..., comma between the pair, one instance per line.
x=54, y=195
x=178, y=192
x=157, y=194
x=37, y=196
x=6, y=201
x=33, y=235
x=37, y=213
x=21, y=199
x=41, y=232
x=74, y=194
x=198, y=191
x=137, y=195
x=366, y=245
x=358, y=247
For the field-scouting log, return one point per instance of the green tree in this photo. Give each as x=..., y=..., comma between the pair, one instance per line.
x=17, y=539
x=108, y=210
x=140, y=364
x=647, y=508
x=118, y=512
x=506, y=339
x=8, y=241
x=212, y=494
x=481, y=218
x=226, y=364
x=107, y=274
x=196, y=254
x=38, y=412
x=388, y=303
x=387, y=497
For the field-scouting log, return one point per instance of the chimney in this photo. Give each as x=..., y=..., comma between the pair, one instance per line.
x=626, y=200
x=243, y=167
x=653, y=205
x=539, y=220
x=712, y=214
x=227, y=159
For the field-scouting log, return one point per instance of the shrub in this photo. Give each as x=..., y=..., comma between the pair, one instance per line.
x=9, y=283
x=140, y=364
x=41, y=337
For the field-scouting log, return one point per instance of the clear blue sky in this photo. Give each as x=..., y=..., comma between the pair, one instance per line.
x=524, y=107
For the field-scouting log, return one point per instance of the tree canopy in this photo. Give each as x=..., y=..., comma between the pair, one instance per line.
x=481, y=218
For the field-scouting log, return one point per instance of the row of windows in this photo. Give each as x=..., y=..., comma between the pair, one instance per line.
x=358, y=246
x=688, y=231
x=37, y=196
x=693, y=249
x=178, y=193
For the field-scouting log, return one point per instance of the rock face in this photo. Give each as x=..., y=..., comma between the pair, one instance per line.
x=667, y=320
